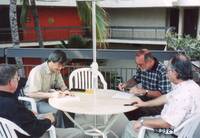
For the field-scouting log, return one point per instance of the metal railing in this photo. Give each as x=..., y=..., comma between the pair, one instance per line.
x=112, y=75
x=65, y=32
x=137, y=33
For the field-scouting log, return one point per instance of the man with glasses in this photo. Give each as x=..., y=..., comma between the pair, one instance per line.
x=13, y=110
x=42, y=82
x=151, y=76
x=182, y=103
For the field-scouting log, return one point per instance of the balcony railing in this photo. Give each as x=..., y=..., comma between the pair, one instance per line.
x=137, y=33
x=65, y=32
x=113, y=76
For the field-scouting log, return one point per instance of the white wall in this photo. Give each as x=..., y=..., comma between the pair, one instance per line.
x=188, y=3
x=137, y=17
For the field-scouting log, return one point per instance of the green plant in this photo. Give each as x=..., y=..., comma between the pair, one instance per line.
x=76, y=41
x=190, y=46
x=85, y=13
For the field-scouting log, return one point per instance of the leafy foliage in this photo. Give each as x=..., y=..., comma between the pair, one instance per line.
x=190, y=46
x=76, y=41
x=85, y=13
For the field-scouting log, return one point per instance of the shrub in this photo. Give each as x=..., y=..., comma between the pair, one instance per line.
x=76, y=41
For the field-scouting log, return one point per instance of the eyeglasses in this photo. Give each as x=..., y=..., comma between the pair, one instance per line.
x=169, y=70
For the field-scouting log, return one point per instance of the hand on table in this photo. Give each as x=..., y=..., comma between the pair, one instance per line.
x=139, y=103
x=58, y=94
x=67, y=92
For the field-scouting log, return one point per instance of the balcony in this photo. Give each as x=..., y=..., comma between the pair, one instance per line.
x=117, y=34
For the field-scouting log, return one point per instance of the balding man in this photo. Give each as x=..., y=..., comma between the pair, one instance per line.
x=151, y=75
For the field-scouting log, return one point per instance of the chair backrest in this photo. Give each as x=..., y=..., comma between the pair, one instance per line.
x=21, y=84
x=82, y=79
x=8, y=129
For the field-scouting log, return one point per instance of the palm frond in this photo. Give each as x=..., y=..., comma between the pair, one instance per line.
x=85, y=13
x=24, y=12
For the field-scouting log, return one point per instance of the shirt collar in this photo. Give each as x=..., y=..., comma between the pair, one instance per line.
x=47, y=68
x=155, y=65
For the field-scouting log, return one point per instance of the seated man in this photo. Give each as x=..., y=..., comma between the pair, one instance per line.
x=16, y=112
x=179, y=105
x=42, y=79
x=151, y=75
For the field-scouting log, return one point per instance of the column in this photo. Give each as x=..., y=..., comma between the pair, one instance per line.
x=198, y=25
x=181, y=22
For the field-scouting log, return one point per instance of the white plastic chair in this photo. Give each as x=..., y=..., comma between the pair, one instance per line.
x=51, y=130
x=82, y=79
x=8, y=129
x=186, y=129
x=33, y=107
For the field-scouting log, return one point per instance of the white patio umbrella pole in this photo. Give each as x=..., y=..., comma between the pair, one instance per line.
x=94, y=64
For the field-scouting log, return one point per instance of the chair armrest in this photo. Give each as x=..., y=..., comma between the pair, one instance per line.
x=31, y=101
x=143, y=130
x=52, y=131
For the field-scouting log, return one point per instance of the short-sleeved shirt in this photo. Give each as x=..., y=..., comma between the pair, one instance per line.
x=154, y=79
x=42, y=79
x=182, y=103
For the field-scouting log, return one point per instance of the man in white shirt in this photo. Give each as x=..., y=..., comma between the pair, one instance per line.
x=42, y=82
x=180, y=104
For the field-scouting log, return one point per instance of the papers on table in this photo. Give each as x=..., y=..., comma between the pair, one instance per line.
x=70, y=98
x=123, y=95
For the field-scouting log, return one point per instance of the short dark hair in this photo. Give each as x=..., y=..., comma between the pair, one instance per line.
x=57, y=56
x=147, y=54
x=7, y=72
x=183, y=66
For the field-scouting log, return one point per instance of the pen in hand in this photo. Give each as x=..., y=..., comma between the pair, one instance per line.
x=131, y=104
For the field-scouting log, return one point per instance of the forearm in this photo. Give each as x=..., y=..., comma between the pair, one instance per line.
x=42, y=95
x=130, y=83
x=156, y=123
x=153, y=94
x=156, y=102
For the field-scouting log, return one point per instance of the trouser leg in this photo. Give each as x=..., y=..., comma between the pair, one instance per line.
x=145, y=111
x=61, y=120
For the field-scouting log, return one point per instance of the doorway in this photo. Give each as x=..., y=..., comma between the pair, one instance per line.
x=190, y=22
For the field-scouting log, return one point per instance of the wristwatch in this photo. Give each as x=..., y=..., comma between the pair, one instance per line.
x=142, y=122
x=146, y=92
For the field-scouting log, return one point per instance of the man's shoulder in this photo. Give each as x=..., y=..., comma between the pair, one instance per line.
x=39, y=68
x=161, y=68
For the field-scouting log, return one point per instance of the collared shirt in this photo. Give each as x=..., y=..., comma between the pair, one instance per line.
x=42, y=79
x=154, y=79
x=182, y=103
x=13, y=110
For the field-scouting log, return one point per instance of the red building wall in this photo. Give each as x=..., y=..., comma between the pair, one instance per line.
x=59, y=18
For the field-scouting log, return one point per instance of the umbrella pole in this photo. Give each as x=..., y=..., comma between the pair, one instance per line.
x=94, y=64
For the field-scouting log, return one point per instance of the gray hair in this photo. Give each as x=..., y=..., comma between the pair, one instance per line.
x=7, y=72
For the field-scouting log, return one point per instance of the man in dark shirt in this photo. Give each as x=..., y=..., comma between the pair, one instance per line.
x=16, y=112
x=151, y=74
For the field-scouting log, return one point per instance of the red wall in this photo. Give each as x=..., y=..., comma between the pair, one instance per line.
x=54, y=17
